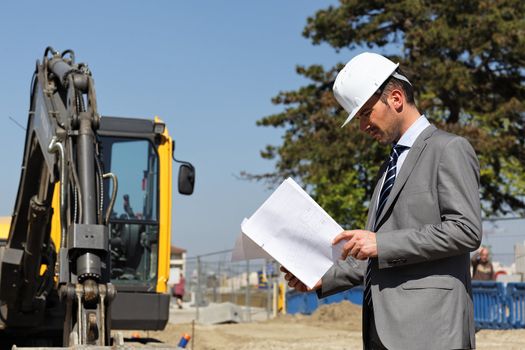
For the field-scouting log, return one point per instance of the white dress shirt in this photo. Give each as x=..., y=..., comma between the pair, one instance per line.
x=408, y=139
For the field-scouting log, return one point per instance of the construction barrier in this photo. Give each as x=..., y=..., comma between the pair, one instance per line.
x=302, y=303
x=307, y=303
x=516, y=304
x=489, y=305
x=496, y=306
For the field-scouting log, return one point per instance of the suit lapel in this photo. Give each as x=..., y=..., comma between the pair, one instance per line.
x=408, y=165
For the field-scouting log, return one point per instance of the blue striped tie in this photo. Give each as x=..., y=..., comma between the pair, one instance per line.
x=390, y=178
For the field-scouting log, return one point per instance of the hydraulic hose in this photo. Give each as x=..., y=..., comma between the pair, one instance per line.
x=58, y=147
x=113, y=194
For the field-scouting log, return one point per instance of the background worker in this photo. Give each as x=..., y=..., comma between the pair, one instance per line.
x=178, y=290
x=424, y=219
x=482, y=268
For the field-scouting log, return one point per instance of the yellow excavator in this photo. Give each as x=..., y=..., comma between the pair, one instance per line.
x=87, y=248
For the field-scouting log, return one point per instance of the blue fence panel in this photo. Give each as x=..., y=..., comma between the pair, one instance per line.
x=355, y=295
x=490, y=310
x=295, y=303
x=495, y=307
x=312, y=302
x=516, y=304
x=307, y=303
x=303, y=303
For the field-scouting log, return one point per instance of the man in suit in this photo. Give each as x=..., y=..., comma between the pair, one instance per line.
x=424, y=219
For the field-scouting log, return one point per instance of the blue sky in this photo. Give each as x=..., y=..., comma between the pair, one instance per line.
x=207, y=68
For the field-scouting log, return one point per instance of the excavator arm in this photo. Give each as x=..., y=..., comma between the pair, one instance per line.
x=61, y=146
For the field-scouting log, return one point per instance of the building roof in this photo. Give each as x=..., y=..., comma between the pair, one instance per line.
x=177, y=250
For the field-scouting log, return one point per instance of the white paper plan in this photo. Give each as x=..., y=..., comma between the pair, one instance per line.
x=292, y=228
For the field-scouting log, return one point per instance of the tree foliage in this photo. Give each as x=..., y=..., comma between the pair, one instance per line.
x=466, y=60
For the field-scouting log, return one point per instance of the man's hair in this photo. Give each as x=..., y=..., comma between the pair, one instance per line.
x=394, y=83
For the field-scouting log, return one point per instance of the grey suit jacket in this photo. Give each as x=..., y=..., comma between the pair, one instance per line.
x=420, y=282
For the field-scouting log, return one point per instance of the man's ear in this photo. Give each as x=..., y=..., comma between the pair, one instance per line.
x=397, y=99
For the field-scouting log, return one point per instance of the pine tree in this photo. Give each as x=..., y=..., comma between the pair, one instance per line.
x=466, y=60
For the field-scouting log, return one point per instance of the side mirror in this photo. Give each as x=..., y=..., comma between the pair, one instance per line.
x=186, y=178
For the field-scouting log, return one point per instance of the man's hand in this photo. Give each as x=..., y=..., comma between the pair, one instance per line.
x=361, y=244
x=294, y=283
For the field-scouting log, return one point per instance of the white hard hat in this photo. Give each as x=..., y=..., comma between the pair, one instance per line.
x=359, y=80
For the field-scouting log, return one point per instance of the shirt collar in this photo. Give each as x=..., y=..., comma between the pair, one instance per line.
x=410, y=136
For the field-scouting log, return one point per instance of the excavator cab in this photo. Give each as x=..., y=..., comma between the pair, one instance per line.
x=134, y=220
x=139, y=153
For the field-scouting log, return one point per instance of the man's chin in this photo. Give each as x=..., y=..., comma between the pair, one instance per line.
x=385, y=140
x=381, y=138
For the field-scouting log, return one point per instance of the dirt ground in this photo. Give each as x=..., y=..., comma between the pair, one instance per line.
x=331, y=327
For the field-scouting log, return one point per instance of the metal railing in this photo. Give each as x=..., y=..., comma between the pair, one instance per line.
x=214, y=278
